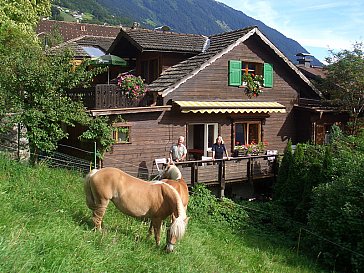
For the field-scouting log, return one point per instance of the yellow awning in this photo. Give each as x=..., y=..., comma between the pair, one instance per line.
x=230, y=107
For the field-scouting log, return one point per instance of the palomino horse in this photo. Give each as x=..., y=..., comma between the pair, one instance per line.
x=172, y=176
x=137, y=198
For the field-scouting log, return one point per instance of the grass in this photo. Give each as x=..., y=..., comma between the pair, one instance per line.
x=45, y=226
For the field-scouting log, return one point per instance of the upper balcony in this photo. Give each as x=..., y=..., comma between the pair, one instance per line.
x=108, y=96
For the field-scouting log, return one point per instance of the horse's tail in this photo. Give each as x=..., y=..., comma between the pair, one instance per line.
x=178, y=227
x=87, y=187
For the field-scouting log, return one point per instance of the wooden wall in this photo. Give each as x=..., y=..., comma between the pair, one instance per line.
x=153, y=133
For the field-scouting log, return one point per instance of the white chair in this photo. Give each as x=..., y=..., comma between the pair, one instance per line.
x=159, y=163
x=271, y=152
x=205, y=158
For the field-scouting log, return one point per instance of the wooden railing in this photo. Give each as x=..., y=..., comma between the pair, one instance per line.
x=234, y=170
x=104, y=96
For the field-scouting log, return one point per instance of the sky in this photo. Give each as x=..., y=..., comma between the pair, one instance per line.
x=317, y=25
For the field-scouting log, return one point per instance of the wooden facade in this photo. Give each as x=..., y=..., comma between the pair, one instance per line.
x=201, y=75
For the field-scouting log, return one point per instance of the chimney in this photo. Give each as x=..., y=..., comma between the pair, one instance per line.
x=135, y=25
x=304, y=58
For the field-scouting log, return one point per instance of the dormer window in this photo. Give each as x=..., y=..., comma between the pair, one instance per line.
x=238, y=68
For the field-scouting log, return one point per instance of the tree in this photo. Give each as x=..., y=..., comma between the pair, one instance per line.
x=344, y=83
x=33, y=86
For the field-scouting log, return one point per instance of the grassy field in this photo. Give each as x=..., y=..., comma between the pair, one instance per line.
x=45, y=226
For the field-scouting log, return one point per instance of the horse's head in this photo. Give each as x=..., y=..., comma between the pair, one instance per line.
x=171, y=172
x=175, y=232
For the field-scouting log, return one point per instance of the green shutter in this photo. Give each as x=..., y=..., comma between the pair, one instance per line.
x=268, y=75
x=234, y=73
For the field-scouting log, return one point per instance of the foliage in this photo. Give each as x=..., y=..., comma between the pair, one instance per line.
x=321, y=187
x=100, y=14
x=252, y=148
x=253, y=84
x=205, y=205
x=100, y=130
x=34, y=85
x=45, y=226
x=344, y=83
x=132, y=86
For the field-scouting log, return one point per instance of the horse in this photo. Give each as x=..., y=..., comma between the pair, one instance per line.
x=137, y=198
x=173, y=176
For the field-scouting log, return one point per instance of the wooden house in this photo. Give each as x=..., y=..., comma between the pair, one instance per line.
x=197, y=90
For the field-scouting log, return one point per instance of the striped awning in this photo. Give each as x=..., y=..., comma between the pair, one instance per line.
x=230, y=107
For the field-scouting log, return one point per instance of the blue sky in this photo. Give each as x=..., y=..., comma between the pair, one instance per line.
x=318, y=25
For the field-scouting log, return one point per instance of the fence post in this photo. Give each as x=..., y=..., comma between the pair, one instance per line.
x=221, y=178
x=95, y=155
x=194, y=173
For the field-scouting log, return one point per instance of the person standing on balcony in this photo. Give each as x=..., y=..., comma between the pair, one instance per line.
x=218, y=149
x=178, y=151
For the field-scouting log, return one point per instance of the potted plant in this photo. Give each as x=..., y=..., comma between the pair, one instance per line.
x=131, y=86
x=253, y=84
x=250, y=149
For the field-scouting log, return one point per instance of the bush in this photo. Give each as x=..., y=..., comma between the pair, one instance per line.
x=337, y=210
x=204, y=205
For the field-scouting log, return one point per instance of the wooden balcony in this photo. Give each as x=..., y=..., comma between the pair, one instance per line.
x=105, y=96
x=235, y=170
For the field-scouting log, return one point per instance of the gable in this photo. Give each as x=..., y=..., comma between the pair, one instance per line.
x=220, y=45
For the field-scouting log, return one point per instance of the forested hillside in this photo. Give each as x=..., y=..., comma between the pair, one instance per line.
x=188, y=16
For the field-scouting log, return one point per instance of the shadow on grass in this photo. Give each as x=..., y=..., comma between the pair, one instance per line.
x=83, y=220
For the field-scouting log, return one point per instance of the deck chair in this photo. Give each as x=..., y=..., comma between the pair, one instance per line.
x=205, y=158
x=271, y=152
x=159, y=162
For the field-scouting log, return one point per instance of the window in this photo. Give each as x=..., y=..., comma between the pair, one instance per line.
x=121, y=134
x=238, y=68
x=150, y=70
x=247, y=132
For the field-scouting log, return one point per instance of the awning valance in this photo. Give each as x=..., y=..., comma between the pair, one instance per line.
x=230, y=107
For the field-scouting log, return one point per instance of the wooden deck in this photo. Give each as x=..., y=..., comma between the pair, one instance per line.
x=223, y=171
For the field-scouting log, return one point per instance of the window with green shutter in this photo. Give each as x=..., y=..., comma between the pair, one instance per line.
x=268, y=75
x=234, y=73
x=238, y=68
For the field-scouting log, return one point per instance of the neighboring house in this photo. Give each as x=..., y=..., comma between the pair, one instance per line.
x=71, y=30
x=196, y=90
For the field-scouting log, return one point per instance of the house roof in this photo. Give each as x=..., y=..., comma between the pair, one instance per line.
x=71, y=30
x=157, y=40
x=312, y=72
x=77, y=45
x=220, y=44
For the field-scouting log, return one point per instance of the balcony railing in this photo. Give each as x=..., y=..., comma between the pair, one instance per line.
x=105, y=96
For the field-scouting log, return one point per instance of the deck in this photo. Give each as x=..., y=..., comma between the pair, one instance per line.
x=223, y=171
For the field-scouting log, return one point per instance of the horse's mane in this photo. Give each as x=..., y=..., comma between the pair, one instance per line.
x=173, y=173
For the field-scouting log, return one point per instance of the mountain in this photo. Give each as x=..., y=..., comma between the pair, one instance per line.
x=195, y=16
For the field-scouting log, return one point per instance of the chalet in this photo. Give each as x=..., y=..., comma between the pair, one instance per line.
x=197, y=90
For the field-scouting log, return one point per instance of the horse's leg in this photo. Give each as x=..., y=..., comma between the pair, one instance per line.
x=98, y=213
x=157, y=224
x=150, y=231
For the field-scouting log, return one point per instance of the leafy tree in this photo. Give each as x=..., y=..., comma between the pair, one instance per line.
x=33, y=86
x=100, y=131
x=344, y=83
x=283, y=173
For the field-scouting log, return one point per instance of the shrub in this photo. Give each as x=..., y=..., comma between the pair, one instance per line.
x=203, y=204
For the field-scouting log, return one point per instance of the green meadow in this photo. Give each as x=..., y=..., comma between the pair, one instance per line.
x=45, y=226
